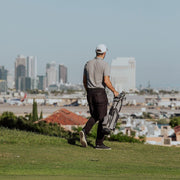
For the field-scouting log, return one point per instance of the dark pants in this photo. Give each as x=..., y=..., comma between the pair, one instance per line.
x=97, y=100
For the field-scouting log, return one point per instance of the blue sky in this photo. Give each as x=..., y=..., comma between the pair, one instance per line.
x=67, y=32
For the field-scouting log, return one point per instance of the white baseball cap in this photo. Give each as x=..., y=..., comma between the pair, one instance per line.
x=101, y=48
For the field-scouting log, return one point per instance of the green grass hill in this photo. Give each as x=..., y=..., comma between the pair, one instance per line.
x=26, y=155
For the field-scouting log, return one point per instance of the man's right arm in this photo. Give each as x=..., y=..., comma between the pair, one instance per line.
x=110, y=86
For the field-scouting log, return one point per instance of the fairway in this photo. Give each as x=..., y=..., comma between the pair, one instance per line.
x=25, y=155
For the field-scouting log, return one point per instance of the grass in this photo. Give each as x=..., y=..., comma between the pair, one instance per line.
x=25, y=155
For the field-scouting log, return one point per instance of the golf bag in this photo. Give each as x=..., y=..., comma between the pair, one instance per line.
x=110, y=120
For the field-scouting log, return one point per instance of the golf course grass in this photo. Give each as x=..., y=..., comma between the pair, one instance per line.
x=26, y=155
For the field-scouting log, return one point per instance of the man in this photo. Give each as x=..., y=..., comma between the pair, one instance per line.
x=96, y=77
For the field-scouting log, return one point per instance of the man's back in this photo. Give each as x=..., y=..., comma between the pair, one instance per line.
x=95, y=70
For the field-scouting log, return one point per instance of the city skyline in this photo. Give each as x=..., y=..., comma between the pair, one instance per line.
x=55, y=73
x=69, y=31
x=27, y=78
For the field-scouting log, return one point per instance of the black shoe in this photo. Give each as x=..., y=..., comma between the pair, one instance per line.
x=102, y=147
x=83, y=138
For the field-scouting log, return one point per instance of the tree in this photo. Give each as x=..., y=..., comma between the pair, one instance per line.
x=41, y=115
x=34, y=111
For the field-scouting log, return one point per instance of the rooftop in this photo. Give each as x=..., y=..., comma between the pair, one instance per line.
x=65, y=117
x=177, y=129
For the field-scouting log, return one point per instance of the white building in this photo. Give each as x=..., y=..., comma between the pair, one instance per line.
x=31, y=66
x=10, y=80
x=51, y=74
x=31, y=70
x=123, y=73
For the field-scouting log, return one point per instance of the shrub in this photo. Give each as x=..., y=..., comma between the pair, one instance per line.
x=142, y=139
x=146, y=115
x=124, y=138
x=21, y=123
x=174, y=122
x=72, y=137
x=8, y=119
x=133, y=133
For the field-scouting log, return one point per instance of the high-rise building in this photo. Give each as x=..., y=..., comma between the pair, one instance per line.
x=20, y=73
x=123, y=73
x=3, y=86
x=51, y=74
x=10, y=80
x=31, y=67
x=3, y=73
x=3, y=79
x=26, y=73
x=62, y=74
x=41, y=82
x=28, y=84
x=31, y=71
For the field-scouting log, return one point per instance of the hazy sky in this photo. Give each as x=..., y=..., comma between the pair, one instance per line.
x=67, y=32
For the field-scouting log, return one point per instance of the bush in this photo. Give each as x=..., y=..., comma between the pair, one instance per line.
x=146, y=115
x=72, y=137
x=8, y=119
x=174, y=122
x=133, y=133
x=21, y=123
x=48, y=129
x=124, y=138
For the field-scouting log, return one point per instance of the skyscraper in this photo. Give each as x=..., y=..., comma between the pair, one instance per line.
x=31, y=71
x=31, y=66
x=25, y=73
x=123, y=73
x=51, y=74
x=3, y=86
x=10, y=80
x=3, y=73
x=3, y=79
x=41, y=82
x=20, y=72
x=62, y=74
